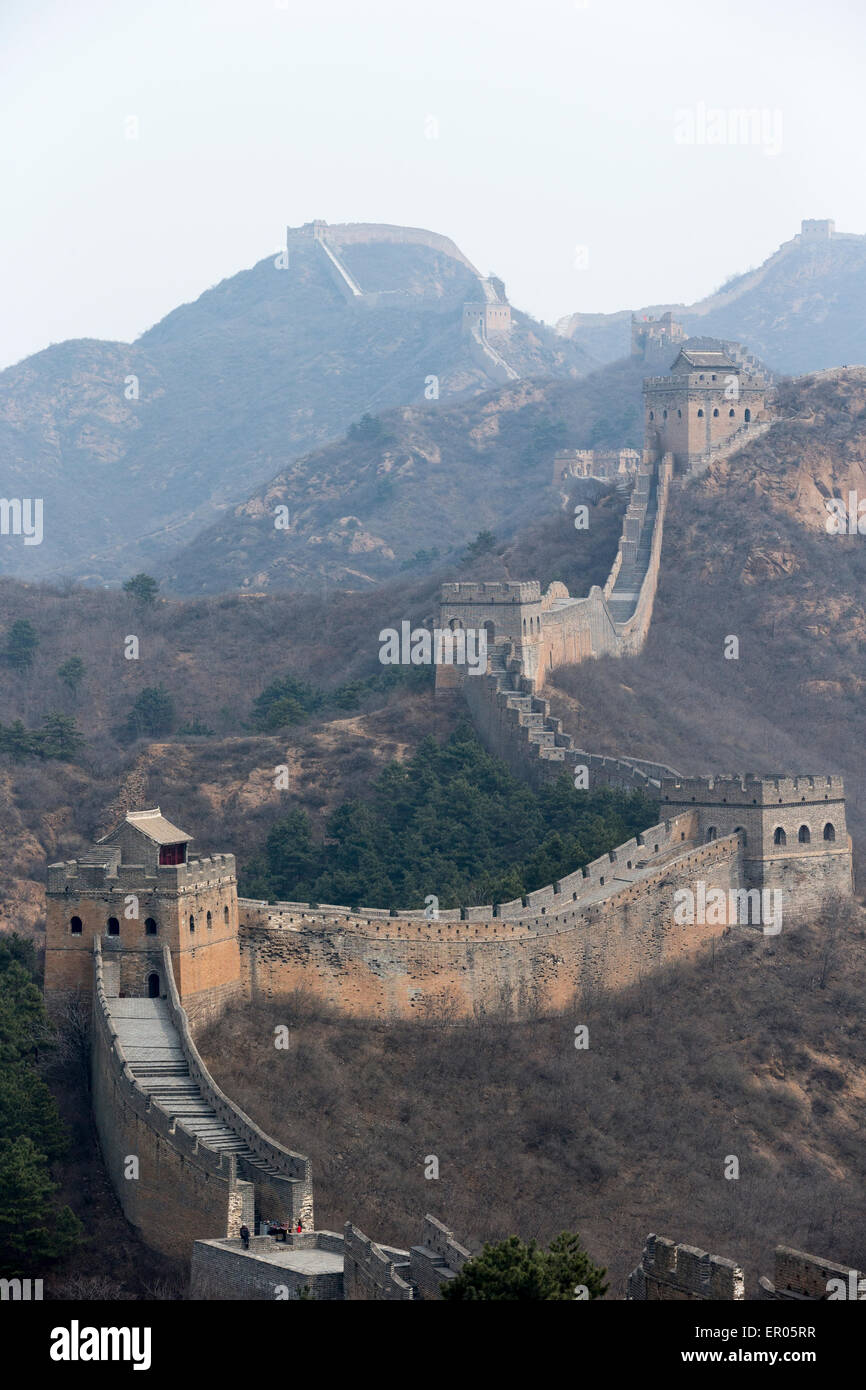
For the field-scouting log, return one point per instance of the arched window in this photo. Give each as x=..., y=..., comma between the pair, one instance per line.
x=747, y=417
x=524, y=627
x=731, y=413
x=829, y=834
x=226, y=915
x=679, y=414
x=716, y=413
x=779, y=836
x=712, y=833
x=153, y=985
x=191, y=922
x=150, y=927
x=803, y=835
x=113, y=927
x=664, y=415
x=652, y=415
x=700, y=415
x=75, y=922
x=209, y=921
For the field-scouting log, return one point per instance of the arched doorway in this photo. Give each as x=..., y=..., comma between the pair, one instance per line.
x=153, y=985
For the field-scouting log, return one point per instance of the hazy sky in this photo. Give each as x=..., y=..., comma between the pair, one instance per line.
x=565, y=146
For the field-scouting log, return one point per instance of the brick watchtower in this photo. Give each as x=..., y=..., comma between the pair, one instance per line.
x=506, y=609
x=138, y=891
x=705, y=398
x=795, y=836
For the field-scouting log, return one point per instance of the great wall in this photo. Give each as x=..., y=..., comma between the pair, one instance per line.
x=486, y=320
x=159, y=943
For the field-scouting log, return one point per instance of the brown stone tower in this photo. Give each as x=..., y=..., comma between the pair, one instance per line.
x=138, y=891
x=704, y=400
x=794, y=832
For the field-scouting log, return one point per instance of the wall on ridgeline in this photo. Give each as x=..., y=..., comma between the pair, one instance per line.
x=605, y=930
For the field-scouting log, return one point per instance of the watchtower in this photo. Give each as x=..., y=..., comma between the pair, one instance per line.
x=794, y=831
x=705, y=398
x=137, y=890
x=505, y=609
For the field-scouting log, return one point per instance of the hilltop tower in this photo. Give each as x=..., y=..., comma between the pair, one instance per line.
x=794, y=831
x=656, y=340
x=705, y=399
x=505, y=609
x=138, y=891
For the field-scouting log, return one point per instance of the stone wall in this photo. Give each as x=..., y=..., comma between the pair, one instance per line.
x=684, y=1273
x=373, y=1272
x=222, y=1270
x=600, y=927
x=436, y=1261
x=183, y=1192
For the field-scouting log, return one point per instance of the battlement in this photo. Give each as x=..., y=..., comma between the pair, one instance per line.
x=752, y=789
x=73, y=877
x=500, y=591
x=683, y=1272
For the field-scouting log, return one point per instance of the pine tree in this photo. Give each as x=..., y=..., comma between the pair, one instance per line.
x=21, y=645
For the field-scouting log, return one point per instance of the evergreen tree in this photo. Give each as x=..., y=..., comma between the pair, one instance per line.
x=152, y=715
x=511, y=1270
x=143, y=588
x=21, y=645
x=59, y=737
x=71, y=673
x=32, y=1229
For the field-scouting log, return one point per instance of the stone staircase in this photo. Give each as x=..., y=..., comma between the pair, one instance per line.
x=153, y=1050
x=738, y=440
x=624, y=595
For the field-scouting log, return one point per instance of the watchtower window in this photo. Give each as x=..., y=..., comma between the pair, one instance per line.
x=75, y=922
x=779, y=836
x=226, y=915
x=716, y=413
x=150, y=927
x=679, y=414
x=191, y=922
x=652, y=415
x=700, y=415
x=113, y=927
x=209, y=921
x=829, y=834
x=172, y=854
x=803, y=835
x=731, y=413
x=747, y=416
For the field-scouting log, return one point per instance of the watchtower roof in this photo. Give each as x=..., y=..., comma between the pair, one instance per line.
x=690, y=358
x=154, y=825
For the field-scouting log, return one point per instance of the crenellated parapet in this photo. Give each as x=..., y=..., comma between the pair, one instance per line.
x=668, y=1271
